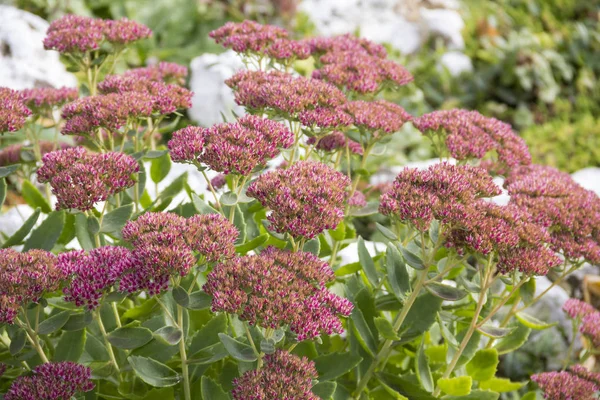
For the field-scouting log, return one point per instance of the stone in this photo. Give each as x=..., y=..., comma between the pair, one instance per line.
x=456, y=63
x=589, y=178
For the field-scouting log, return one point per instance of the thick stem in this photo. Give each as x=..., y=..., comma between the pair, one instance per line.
x=111, y=353
x=116, y=313
x=184, y=366
x=251, y=341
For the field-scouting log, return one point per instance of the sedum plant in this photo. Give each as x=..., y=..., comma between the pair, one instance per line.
x=240, y=291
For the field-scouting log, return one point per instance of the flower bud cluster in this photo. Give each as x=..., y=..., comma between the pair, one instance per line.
x=167, y=72
x=13, y=112
x=247, y=36
x=283, y=376
x=568, y=385
x=335, y=141
x=12, y=154
x=305, y=199
x=379, y=117
x=588, y=316
x=278, y=288
x=42, y=99
x=80, y=179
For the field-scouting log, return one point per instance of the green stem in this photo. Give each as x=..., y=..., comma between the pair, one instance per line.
x=116, y=313
x=109, y=348
x=251, y=341
x=184, y=366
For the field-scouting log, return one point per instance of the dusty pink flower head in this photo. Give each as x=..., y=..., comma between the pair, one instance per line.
x=124, y=31
x=48, y=98
x=247, y=36
x=218, y=182
x=12, y=154
x=283, y=376
x=94, y=273
x=212, y=236
x=283, y=93
x=576, y=308
x=570, y=212
x=168, y=72
x=342, y=43
x=80, y=179
x=75, y=34
x=469, y=134
x=590, y=327
x=325, y=117
x=13, y=112
x=378, y=117
x=584, y=373
x=52, y=381
x=279, y=288
x=305, y=199
x=358, y=199
x=287, y=49
x=565, y=386
x=336, y=141
x=24, y=277
x=187, y=144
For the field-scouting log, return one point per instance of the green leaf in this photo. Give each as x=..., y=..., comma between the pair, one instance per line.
x=23, y=231
x=500, y=385
x=201, y=206
x=212, y=391
x=330, y=366
x=367, y=263
x=475, y=395
x=422, y=368
x=93, y=225
x=386, y=232
x=17, y=342
x=173, y=189
x=152, y=372
x=130, y=337
x=229, y=199
x=54, y=323
x=404, y=387
x=34, y=198
x=494, y=331
x=46, y=235
x=459, y=386
x=239, y=220
x=168, y=335
x=421, y=316
x=397, y=273
x=208, y=335
x=82, y=233
x=9, y=169
x=483, y=365
x=412, y=259
x=370, y=209
x=160, y=167
x=2, y=191
x=446, y=292
x=115, y=220
x=251, y=245
x=312, y=246
x=181, y=297
x=77, y=322
x=324, y=390
x=140, y=311
x=339, y=233
x=514, y=340
x=70, y=346
x=532, y=322
x=238, y=350
x=527, y=291
x=199, y=300
x=385, y=328
x=363, y=332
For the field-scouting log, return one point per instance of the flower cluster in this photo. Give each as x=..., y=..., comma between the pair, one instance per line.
x=284, y=376
x=342, y=43
x=588, y=316
x=570, y=212
x=41, y=99
x=468, y=134
x=305, y=199
x=237, y=147
x=278, y=288
x=576, y=308
x=568, y=385
x=168, y=72
x=247, y=36
x=164, y=245
x=286, y=49
x=93, y=273
x=379, y=117
x=13, y=112
x=78, y=34
x=324, y=118
x=80, y=179
x=12, y=154
x=24, y=277
x=52, y=381
x=335, y=141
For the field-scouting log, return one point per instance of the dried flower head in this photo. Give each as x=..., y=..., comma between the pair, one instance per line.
x=247, y=36
x=80, y=179
x=24, y=277
x=40, y=99
x=378, y=117
x=576, y=308
x=565, y=386
x=305, y=199
x=13, y=112
x=52, y=381
x=212, y=236
x=278, y=288
x=336, y=141
x=284, y=376
x=168, y=72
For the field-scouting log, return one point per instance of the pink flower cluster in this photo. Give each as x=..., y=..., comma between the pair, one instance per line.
x=78, y=34
x=80, y=179
x=170, y=73
x=13, y=112
x=164, y=245
x=24, y=277
x=305, y=199
x=284, y=376
x=570, y=212
x=469, y=134
x=343, y=43
x=379, y=117
x=278, y=288
x=576, y=308
x=52, y=381
x=325, y=118
x=48, y=98
x=575, y=384
x=336, y=141
x=588, y=316
x=247, y=36
x=237, y=147
x=12, y=154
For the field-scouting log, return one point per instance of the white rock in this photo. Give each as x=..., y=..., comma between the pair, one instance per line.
x=211, y=96
x=445, y=23
x=23, y=61
x=456, y=63
x=349, y=254
x=589, y=178
x=13, y=218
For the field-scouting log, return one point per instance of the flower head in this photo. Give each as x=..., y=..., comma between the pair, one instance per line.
x=218, y=182
x=124, y=31
x=379, y=117
x=247, y=36
x=336, y=141
x=305, y=199
x=167, y=72
x=80, y=179
x=52, y=381
x=13, y=112
x=576, y=308
x=286, y=49
x=325, y=117
x=212, y=236
x=187, y=144
x=283, y=376
x=11, y=154
x=48, y=98
x=278, y=288
x=342, y=43
x=590, y=327
x=565, y=385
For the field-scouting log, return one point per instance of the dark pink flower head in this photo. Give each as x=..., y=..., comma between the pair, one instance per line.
x=305, y=199
x=576, y=308
x=378, y=117
x=124, y=31
x=358, y=199
x=584, y=373
x=469, y=134
x=287, y=49
x=80, y=179
x=75, y=34
x=565, y=385
x=218, y=182
x=336, y=141
x=12, y=154
x=325, y=118
x=283, y=376
x=590, y=328
x=212, y=236
x=13, y=112
x=570, y=212
x=187, y=144
x=247, y=36
x=93, y=274
x=279, y=288
x=168, y=72
x=52, y=381
x=336, y=44
x=283, y=93
x=165, y=98
x=48, y=98
x=24, y=277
